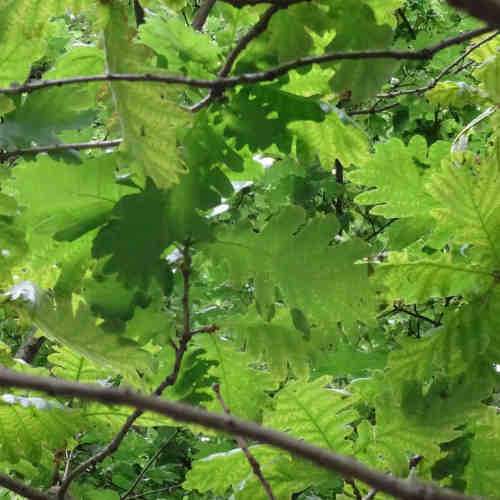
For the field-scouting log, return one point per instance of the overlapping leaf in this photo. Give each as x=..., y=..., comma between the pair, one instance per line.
x=149, y=114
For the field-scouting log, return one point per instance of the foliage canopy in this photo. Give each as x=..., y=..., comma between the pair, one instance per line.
x=287, y=211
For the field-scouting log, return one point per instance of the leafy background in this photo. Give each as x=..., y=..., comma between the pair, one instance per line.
x=343, y=224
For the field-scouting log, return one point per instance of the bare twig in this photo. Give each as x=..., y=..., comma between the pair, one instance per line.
x=242, y=443
x=205, y=329
x=170, y=380
x=250, y=78
x=22, y=489
x=407, y=23
x=150, y=462
x=487, y=10
x=400, y=309
x=346, y=466
x=56, y=148
x=373, y=110
x=202, y=14
x=243, y=42
x=432, y=83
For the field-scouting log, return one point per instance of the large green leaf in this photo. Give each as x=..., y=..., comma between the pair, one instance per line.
x=467, y=201
x=481, y=471
x=149, y=114
x=399, y=175
x=76, y=328
x=356, y=29
x=339, y=290
x=242, y=386
x=316, y=413
x=81, y=196
x=38, y=120
x=29, y=426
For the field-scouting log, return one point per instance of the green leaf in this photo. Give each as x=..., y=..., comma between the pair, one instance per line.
x=23, y=30
x=38, y=120
x=356, y=29
x=259, y=116
x=30, y=426
x=132, y=248
x=72, y=366
x=397, y=172
x=339, y=290
x=332, y=139
x=277, y=342
x=77, y=329
x=384, y=10
x=184, y=49
x=467, y=202
x=481, y=471
x=81, y=196
x=315, y=413
x=242, y=386
x=416, y=280
x=149, y=114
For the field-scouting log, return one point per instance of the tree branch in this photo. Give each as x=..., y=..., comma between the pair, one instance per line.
x=487, y=10
x=150, y=462
x=432, y=83
x=170, y=380
x=242, y=443
x=346, y=466
x=373, y=110
x=202, y=14
x=22, y=489
x=259, y=27
x=250, y=78
x=57, y=148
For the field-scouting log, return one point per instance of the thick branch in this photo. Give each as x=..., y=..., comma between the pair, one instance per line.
x=242, y=443
x=346, y=466
x=170, y=380
x=487, y=10
x=22, y=489
x=57, y=148
x=202, y=14
x=250, y=78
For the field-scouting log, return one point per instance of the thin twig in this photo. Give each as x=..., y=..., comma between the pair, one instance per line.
x=373, y=110
x=152, y=492
x=201, y=15
x=242, y=443
x=407, y=23
x=243, y=42
x=250, y=78
x=400, y=309
x=22, y=489
x=344, y=465
x=170, y=380
x=56, y=148
x=150, y=462
x=205, y=329
x=432, y=83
